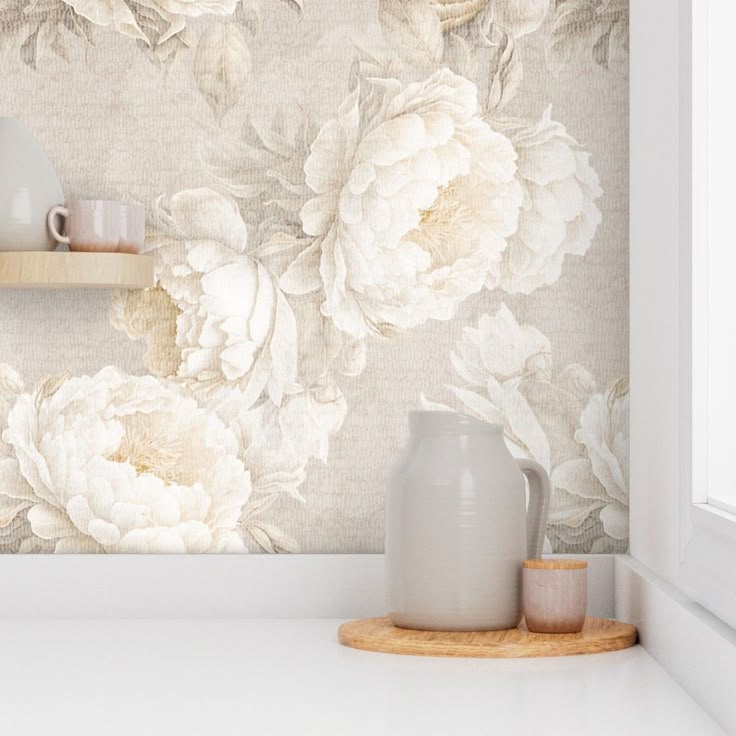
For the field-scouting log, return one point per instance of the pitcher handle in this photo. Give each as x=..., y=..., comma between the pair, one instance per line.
x=540, y=491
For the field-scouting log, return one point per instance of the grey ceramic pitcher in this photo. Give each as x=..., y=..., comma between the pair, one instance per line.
x=457, y=526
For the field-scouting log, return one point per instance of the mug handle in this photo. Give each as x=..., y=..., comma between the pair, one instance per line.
x=540, y=491
x=61, y=212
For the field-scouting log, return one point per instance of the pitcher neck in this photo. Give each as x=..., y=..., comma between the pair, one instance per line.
x=426, y=423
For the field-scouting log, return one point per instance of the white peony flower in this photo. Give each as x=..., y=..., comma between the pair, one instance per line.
x=14, y=527
x=558, y=215
x=499, y=347
x=277, y=442
x=556, y=418
x=602, y=478
x=190, y=8
x=494, y=360
x=11, y=387
x=414, y=197
x=161, y=19
x=574, y=527
x=233, y=324
x=115, y=463
x=115, y=13
x=519, y=17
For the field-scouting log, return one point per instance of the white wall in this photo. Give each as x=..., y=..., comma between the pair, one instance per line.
x=217, y=586
x=654, y=284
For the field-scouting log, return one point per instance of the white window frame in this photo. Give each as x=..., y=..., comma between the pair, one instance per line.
x=707, y=534
x=674, y=533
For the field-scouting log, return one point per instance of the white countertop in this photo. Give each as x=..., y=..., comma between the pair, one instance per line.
x=216, y=677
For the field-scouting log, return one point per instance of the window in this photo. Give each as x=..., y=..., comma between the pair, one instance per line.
x=717, y=79
x=708, y=108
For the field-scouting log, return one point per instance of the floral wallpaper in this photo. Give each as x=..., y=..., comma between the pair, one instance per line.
x=355, y=208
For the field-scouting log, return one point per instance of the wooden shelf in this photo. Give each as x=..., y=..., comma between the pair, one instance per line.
x=54, y=270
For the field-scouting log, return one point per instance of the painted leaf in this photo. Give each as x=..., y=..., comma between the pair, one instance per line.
x=459, y=56
x=525, y=425
x=302, y=276
x=413, y=28
x=297, y=5
x=272, y=539
x=51, y=35
x=455, y=13
x=485, y=409
x=77, y=25
x=429, y=405
x=248, y=14
x=283, y=349
x=222, y=66
x=29, y=50
x=597, y=29
x=507, y=75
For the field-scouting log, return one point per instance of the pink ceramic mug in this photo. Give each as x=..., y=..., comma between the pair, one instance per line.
x=99, y=226
x=132, y=228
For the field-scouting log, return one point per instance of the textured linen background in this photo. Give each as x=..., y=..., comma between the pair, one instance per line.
x=117, y=124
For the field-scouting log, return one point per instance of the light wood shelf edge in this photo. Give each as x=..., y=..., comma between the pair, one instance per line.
x=379, y=635
x=55, y=270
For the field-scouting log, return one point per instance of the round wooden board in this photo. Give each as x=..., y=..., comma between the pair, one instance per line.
x=380, y=635
x=61, y=270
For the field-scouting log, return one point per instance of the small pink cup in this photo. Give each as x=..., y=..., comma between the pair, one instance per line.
x=99, y=226
x=555, y=595
x=132, y=228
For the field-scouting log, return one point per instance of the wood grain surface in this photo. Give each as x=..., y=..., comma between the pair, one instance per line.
x=380, y=635
x=52, y=270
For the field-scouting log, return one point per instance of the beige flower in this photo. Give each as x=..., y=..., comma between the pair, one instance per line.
x=495, y=359
x=559, y=215
x=149, y=314
x=233, y=324
x=15, y=531
x=518, y=17
x=574, y=527
x=277, y=442
x=115, y=13
x=414, y=198
x=191, y=8
x=601, y=479
x=115, y=463
x=130, y=18
x=556, y=418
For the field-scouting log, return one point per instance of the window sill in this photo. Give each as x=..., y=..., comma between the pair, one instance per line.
x=714, y=516
x=726, y=506
x=705, y=572
x=697, y=649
